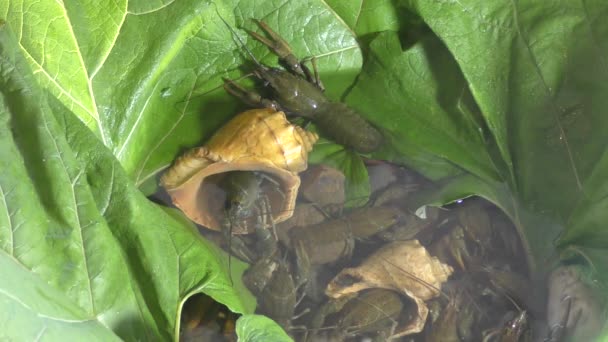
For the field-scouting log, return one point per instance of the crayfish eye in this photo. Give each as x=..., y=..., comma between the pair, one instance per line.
x=228, y=206
x=239, y=211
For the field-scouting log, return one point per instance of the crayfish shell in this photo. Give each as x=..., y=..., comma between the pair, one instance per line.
x=255, y=140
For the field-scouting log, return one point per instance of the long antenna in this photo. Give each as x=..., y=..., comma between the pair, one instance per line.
x=234, y=34
x=227, y=225
x=417, y=279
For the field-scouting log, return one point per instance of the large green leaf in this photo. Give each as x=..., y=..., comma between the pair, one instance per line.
x=258, y=328
x=419, y=98
x=82, y=250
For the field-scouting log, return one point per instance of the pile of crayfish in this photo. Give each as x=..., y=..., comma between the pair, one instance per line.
x=316, y=274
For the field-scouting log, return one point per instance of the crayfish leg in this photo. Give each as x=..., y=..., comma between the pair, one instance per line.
x=265, y=232
x=313, y=77
x=249, y=97
x=303, y=264
x=279, y=46
x=557, y=331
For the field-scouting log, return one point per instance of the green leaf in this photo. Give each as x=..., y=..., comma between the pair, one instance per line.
x=60, y=36
x=421, y=103
x=541, y=101
x=258, y=328
x=350, y=163
x=364, y=17
x=72, y=224
x=590, y=211
x=36, y=310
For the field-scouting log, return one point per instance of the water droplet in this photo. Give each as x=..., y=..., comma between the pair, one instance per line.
x=166, y=92
x=421, y=212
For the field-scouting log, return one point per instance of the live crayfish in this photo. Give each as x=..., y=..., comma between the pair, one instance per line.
x=331, y=240
x=374, y=312
x=270, y=279
x=300, y=93
x=244, y=200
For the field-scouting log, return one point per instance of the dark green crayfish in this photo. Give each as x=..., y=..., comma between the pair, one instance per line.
x=300, y=93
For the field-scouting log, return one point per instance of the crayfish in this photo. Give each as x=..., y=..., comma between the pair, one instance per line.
x=269, y=277
x=245, y=199
x=301, y=93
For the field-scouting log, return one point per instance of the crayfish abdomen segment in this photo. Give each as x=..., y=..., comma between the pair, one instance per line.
x=346, y=127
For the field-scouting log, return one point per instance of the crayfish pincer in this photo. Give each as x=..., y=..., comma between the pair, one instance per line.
x=299, y=92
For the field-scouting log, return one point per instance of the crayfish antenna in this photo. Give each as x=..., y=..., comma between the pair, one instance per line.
x=417, y=279
x=243, y=46
x=228, y=228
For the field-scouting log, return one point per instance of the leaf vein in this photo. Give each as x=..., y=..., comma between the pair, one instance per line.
x=41, y=333
x=140, y=115
x=359, y=13
x=94, y=112
x=161, y=140
x=10, y=220
x=329, y=53
x=339, y=18
x=177, y=273
x=115, y=38
x=152, y=10
x=105, y=207
x=77, y=216
x=57, y=85
x=548, y=92
x=17, y=226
